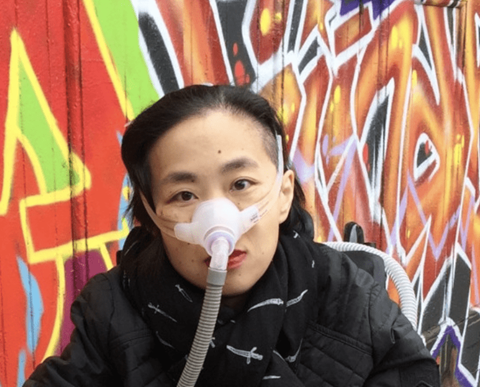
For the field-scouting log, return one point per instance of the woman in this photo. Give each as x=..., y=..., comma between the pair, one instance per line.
x=293, y=313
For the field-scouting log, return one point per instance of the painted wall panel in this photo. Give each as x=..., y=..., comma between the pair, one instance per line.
x=381, y=104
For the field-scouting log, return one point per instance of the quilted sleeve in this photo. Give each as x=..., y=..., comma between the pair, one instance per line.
x=83, y=362
x=399, y=355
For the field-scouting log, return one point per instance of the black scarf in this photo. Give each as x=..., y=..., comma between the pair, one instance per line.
x=257, y=346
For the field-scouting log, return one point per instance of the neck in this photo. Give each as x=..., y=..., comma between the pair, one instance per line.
x=235, y=302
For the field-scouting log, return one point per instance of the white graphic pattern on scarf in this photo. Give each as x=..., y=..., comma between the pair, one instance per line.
x=271, y=301
x=249, y=355
x=171, y=306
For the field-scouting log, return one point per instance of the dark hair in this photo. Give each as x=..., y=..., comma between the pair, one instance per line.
x=144, y=131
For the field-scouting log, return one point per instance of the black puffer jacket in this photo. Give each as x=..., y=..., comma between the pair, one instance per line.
x=358, y=337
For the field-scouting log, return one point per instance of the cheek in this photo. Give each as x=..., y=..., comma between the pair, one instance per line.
x=183, y=256
x=264, y=238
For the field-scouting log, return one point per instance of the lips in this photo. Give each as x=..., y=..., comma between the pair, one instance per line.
x=235, y=260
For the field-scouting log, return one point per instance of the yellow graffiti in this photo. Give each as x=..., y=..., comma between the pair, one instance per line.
x=265, y=22
x=13, y=134
x=394, y=38
x=458, y=150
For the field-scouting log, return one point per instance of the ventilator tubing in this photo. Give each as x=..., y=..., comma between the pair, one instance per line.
x=216, y=225
x=209, y=313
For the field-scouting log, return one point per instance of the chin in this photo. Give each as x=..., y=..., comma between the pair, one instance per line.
x=236, y=288
x=233, y=292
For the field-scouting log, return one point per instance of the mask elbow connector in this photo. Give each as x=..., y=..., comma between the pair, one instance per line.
x=217, y=271
x=221, y=248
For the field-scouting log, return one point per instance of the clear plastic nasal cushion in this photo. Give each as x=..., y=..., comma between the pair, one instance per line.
x=220, y=216
x=217, y=218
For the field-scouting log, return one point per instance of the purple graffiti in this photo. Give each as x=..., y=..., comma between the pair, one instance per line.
x=378, y=6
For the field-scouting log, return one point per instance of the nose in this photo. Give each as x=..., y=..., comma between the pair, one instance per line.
x=217, y=191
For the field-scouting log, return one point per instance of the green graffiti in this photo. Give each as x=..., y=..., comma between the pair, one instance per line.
x=34, y=126
x=120, y=27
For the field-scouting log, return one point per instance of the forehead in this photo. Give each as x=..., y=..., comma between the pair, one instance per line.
x=205, y=143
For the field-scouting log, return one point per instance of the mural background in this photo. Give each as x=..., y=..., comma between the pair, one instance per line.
x=380, y=98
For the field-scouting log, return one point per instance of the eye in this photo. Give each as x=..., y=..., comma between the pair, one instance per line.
x=184, y=196
x=241, y=185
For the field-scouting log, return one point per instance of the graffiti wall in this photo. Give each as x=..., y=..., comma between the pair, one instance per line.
x=380, y=100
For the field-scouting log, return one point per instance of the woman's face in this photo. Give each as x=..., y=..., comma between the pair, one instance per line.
x=214, y=155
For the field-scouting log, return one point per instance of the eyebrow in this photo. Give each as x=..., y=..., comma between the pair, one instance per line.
x=239, y=163
x=178, y=177
x=232, y=165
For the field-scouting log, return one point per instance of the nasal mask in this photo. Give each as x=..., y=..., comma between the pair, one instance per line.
x=220, y=218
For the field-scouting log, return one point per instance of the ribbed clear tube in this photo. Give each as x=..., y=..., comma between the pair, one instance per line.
x=208, y=316
x=203, y=336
